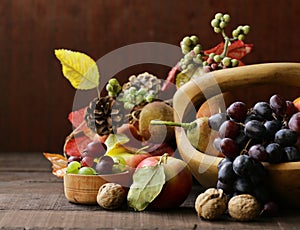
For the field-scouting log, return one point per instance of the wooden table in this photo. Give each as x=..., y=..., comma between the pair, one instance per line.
x=32, y=198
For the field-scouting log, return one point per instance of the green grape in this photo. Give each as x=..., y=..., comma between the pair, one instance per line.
x=197, y=50
x=218, y=16
x=185, y=49
x=113, y=82
x=139, y=99
x=198, y=59
x=226, y=18
x=235, y=33
x=222, y=25
x=190, y=66
x=132, y=90
x=217, y=58
x=128, y=105
x=109, y=88
x=73, y=167
x=205, y=63
x=246, y=29
x=234, y=62
x=87, y=171
x=194, y=39
x=211, y=55
x=217, y=30
x=215, y=23
x=187, y=41
x=150, y=98
x=226, y=61
x=241, y=37
x=141, y=92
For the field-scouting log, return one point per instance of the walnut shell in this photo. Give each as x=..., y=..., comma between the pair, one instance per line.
x=111, y=196
x=244, y=207
x=211, y=204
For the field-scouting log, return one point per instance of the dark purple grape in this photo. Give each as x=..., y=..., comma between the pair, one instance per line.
x=237, y=111
x=270, y=209
x=255, y=129
x=223, y=161
x=216, y=120
x=290, y=109
x=292, y=153
x=105, y=165
x=242, y=165
x=285, y=137
x=241, y=140
x=278, y=104
x=275, y=153
x=253, y=116
x=74, y=158
x=272, y=127
x=229, y=148
x=243, y=185
x=228, y=189
x=258, y=174
x=263, y=109
x=258, y=152
x=226, y=174
x=95, y=149
x=229, y=129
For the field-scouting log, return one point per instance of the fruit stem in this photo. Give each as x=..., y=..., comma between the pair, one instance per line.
x=163, y=159
x=171, y=123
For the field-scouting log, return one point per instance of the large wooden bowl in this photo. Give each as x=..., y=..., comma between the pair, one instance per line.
x=284, y=177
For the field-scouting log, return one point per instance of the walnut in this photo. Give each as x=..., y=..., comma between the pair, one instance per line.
x=111, y=196
x=211, y=204
x=244, y=207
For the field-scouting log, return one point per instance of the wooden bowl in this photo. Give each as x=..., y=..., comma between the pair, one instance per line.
x=284, y=177
x=83, y=189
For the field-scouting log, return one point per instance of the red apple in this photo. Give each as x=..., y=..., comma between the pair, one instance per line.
x=177, y=186
x=161, y=149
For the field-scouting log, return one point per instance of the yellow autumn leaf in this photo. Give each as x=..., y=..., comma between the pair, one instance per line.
x=80, y=69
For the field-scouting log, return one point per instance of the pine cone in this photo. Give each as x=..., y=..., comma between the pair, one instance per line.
x=104, y=115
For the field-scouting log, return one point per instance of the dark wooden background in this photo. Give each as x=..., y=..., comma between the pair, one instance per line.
x=36, y=98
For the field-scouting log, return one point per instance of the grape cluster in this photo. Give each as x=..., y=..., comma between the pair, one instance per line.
x=220, y=22
x=143, y=88
x=249, y=136
x=240, y=32
x=216, y=62
x=113, y=87
x=94, y=161
x=192, y=51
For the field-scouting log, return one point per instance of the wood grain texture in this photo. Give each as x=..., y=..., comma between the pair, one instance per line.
x=36, y=99
x=34, y=199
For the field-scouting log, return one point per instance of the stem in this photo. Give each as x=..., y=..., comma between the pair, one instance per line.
x=224, y=53
x=163, y=159
x=171, y=123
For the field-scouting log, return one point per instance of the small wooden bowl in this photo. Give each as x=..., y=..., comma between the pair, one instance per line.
x=284, y=177
x=83, y=189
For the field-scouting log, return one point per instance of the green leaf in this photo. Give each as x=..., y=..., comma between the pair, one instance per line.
x=79, y=69
x=147, y=183
x=114, y=140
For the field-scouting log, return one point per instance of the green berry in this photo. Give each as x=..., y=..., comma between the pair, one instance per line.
x=109, y=88
x=194, y=39
x=132, y=90
x=141, y=92
x=128, y=105
x=185, y=49
x=190, y=66
x=211, y=55
x=187, y=41
x=205, y=63
x=246, y=29
x=217, y=30
x=226, y=18
x=215, y=23
x=111, y=94
x=234, y=62
x=217, y=58
x=235, y=33
x=222, y=25
x=150, y=98
x=198, y=59
x=241, y=37
x=218, y=16
x=113, y=82
x=226, y=61
x=197, y=50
